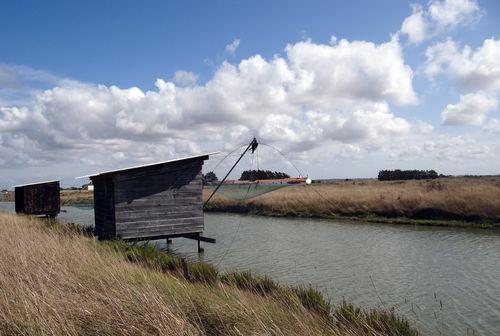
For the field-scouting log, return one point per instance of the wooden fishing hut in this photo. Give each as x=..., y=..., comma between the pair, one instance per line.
x=41, y=198
x=154, y=201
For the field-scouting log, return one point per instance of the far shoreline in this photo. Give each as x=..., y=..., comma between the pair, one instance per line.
x=403, y=221
x=447, y=202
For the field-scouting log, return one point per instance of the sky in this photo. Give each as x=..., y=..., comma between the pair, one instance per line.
x=342, y=89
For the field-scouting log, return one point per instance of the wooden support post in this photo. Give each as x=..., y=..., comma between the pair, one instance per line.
x=169, y=241
x=200, y=249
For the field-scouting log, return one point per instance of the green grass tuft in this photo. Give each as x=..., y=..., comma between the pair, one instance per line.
x=68, y=228
x=312, y=299
x=384, y=322
x=146, y=254
x=203, y=272
x=248, y=281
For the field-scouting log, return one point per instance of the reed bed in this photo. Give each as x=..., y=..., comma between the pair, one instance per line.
x=77, y=197
x=455, y=199
x=55, y=280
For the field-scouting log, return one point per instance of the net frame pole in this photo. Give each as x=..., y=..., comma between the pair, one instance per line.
x=252, y=145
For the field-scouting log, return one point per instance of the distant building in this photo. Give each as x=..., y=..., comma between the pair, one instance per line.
x=237, y=182
x=289, y=180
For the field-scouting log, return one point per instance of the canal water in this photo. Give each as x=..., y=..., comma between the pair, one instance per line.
x=446, y=281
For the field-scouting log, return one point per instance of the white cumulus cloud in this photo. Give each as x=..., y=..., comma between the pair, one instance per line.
x=415, y=26
x=472, y=69
x=450, y=13
x=185, y=78
x=313, y=95
x=423, y=127
x=439, y=17
x=476, y=72
x=471, y=110
x=493, y=125
x=231, y=47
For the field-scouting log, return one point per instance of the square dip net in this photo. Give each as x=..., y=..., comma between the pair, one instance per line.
x=239, y=192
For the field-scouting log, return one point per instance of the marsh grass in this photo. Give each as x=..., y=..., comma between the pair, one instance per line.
x=77, y=197
x=55, y=280
x=312, y=299
x=145, y=254
x=248, y=281
x=203, y=272
x=443, y=202
x=385, y=322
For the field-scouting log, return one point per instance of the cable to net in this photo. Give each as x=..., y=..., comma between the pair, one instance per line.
x=283, y=155
x=300, y=174
x=227, y=155
x=248, y=190
x=238, y=227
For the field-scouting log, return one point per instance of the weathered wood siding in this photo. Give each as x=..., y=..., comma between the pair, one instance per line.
x=155, y=201
x=104, y=211
x=159, y=201
x=38, y=199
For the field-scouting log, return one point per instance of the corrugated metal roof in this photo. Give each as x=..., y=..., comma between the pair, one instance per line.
x=148, y=165
x=34, y=183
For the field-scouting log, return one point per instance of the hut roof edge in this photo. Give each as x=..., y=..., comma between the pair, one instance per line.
x=148, y=165
x=35, y=183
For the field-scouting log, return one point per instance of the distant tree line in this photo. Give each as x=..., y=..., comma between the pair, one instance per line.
x=389, y=175
x=209, y=178
x=252, y=175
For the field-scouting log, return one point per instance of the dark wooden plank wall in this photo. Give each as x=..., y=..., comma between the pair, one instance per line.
x=38, y=199
x=19, y=199
x=104, y=211
x=159, y=201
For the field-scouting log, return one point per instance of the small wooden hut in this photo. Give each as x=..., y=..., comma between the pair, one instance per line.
x=160, y=200
x=42, y=198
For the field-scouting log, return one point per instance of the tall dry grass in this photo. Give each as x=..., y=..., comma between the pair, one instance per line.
x=77, y=197
x=55, y=282
x=470, y=199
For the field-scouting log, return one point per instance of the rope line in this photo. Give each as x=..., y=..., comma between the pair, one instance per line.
x=227, y=155
x=289, y=161
x=237, y=228
x=300, y=173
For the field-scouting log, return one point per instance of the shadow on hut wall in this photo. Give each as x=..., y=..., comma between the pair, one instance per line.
x=150, y=202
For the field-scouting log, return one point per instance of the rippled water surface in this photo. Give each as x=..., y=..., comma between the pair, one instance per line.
x=447, y=281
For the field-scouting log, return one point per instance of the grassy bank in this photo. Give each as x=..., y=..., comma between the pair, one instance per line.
x=445, y=202
x=56, y=280
x=69, y=197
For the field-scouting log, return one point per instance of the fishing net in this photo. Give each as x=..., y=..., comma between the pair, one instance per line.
x=240, y=192
x=243, y=190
